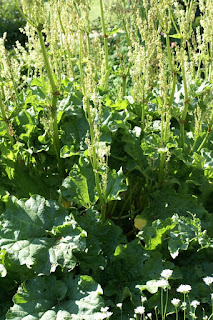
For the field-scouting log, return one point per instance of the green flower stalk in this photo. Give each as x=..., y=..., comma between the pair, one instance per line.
x=4, y=118
x=203, y=143
x=105, y=45
x=94, y=156
x=55, y=94
x=35, y=15
x=186, y=101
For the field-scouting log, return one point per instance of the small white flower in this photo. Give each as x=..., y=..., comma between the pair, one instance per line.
x=163, y=283
x=192, y=315
x=140, y=310
x=143, y=299
x=208, y=280
x=195, y=304
x=184, y=288
x=108, y=314
x=119, y=305
x=183, y=305
x=205, y=318
x=166, y=273
x=175, y=302
x=212, y=296
x=104, y=310
x=149, y=315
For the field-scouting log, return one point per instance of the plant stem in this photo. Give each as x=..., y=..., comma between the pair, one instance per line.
x=167, y=294
x=186, y=102
x=162, y=313
x=4, y=118
x=207, y=134
x=184, y=311
x=176, y=311
x=156, y=315
x=161, y=169
x=12, y=79
x=105, y=45
x=80, y=63
x=124, y=77
x=127, y=34
x=55, y=94
x=173, y=89
x=94, y=159
x=169, y=52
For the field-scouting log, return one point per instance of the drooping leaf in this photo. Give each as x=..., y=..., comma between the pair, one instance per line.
x=79, y=186
x=48, y=298
x=115, y=185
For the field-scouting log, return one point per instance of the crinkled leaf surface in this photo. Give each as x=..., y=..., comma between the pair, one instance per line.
x=79, y=186
x=115, y=184
x=48, y=298
x=167, y=202
x=179, y=232
x=39, y=234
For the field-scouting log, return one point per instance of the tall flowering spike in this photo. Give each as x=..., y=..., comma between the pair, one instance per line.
x=34, y=11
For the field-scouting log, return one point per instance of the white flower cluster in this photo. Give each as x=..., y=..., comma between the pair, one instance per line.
x=184, y=288
x=208, y=280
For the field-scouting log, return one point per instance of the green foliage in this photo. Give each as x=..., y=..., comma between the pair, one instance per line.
x=10, y=22
x=106, y=163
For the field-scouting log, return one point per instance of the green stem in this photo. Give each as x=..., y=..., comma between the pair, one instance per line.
x=12, y=78
x=105, y=45
x=2, y=87
x=124, y=77
x=46, y=61
x=4, y=118
x=167, y=294
x=186, y=102
x=169, y=52
x=162, y=314
x=127, y=34
x=173, y=89
x=55, y=93
x=207, y=134
x=176, y=311
x=80, y=63
x=94, y=160
x=173, y=21
x=189, y=304
x=162, y=165
x=156, y=315
x=184, y=311
x=142, y=116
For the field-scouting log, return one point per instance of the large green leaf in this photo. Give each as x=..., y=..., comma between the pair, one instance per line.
x=115, y=184
x=79, y=186
x=179, y=233
x=46, y=298
x=38, y=234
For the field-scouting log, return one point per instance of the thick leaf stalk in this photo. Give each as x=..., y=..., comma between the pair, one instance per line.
x=55, y=94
